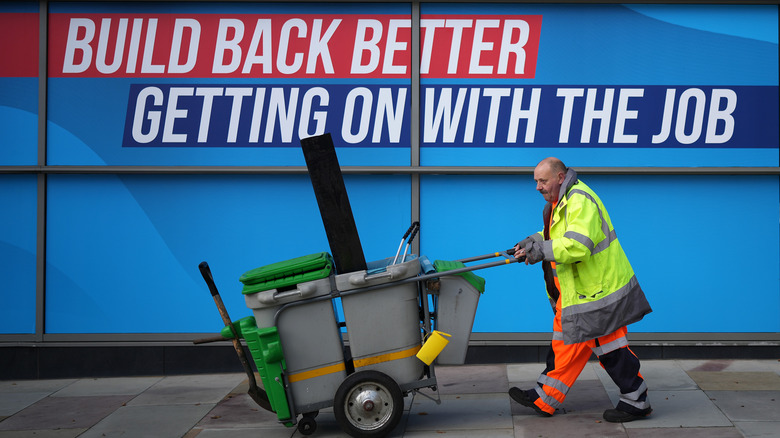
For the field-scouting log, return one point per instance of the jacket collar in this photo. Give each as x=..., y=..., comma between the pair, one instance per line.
x=568, y=181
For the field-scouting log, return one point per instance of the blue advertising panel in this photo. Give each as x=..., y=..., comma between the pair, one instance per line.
x=606, y=85
x=18, y=253
x=123, y=251
x=679, y=245
x=19, y=83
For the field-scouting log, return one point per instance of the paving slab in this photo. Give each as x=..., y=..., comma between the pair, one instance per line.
x=748, y=405
x=525, y=373
x=659, y=376
x=756, y=429
x=481, y=412
x=149, y=421
x=769, y=365
x=472, y=379
x=686, y=432
x=680, y=409
x=16, y=395
x=571, y=425
x=704, y=364
x=107, y=386
x=282, y=432
x=11, y=403
x=64, y=413
x=491, y=433
x=18, y=386
x=206, y=388
x=662, y=375
x=57, y=433
x=736, y=380
x=239, y=410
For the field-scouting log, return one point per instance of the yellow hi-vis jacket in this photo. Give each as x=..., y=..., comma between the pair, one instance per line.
x=598, y=288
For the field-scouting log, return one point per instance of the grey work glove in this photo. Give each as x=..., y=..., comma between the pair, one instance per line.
x=533, y=253
x=523, y=243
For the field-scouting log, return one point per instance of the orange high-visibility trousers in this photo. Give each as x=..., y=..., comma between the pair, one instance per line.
x=565, y=363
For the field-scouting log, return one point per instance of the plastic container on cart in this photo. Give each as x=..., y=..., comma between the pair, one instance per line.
x=456, y=309
x=309, y=334
x=383, y=324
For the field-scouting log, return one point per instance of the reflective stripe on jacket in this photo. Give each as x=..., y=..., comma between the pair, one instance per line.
x=599, y=291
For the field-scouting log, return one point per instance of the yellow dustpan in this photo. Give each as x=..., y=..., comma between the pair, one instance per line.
x=433, y=346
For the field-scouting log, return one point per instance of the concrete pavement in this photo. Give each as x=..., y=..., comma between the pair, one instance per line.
x=690, y=398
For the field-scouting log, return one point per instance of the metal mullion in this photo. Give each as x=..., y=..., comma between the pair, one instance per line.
x=415, y=120
x=40, y=253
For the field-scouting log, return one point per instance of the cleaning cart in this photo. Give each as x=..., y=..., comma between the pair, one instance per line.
x=397, y=316
x=329, y=329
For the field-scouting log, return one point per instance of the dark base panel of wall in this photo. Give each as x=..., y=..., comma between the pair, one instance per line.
x=53, y=362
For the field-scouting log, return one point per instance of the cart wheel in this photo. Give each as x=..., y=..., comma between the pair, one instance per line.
x=307, y=425
x=368, y=404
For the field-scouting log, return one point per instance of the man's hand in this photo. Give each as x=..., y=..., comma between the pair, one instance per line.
x=520, y=253
x=533, y=253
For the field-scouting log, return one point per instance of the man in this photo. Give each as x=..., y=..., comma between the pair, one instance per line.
x=594, y=294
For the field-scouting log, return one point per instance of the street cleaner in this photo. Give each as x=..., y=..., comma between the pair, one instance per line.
x=593, y=291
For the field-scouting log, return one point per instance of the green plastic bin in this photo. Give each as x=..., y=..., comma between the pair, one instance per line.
x=287, y=273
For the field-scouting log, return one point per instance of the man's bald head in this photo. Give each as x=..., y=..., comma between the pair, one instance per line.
x=549, y=175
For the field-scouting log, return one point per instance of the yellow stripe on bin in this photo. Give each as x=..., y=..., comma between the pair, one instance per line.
x=373, y=360
x=297, y=377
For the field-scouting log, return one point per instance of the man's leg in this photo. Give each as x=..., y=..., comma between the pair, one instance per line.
x=564, y=365
x=622, y=365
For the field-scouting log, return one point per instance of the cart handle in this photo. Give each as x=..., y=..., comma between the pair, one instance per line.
x=510, y=253
x=272, y=296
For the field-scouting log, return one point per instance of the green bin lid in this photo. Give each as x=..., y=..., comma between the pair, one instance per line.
x=287, y=273
x=474, y=279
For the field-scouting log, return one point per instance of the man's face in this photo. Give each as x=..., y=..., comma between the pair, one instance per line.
x=548, y=183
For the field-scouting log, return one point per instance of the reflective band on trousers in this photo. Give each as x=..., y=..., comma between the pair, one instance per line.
x=554, y=383
x=632, y=398
x=551, y=401
x=609, y=347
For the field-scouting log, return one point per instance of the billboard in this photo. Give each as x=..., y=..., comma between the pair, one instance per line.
x=241, y=84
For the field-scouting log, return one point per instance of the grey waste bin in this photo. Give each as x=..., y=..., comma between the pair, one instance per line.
x=309, y=333
x=456, y=308
x=383, y=324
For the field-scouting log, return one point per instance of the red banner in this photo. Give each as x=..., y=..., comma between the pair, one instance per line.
x=290, y=46
x=19, y=48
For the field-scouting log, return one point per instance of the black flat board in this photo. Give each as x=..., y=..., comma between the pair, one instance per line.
x=336, y=212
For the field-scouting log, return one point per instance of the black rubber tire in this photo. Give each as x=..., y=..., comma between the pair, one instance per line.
x=385, y=408
x=307, y=425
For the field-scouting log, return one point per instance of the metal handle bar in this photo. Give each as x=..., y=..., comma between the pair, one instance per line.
x=336, y=293
x=508, y=254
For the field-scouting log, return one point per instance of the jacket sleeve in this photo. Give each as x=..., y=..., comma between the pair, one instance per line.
x=582, y=233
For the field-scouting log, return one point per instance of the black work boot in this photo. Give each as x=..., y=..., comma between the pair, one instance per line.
x=618, y=416
x=522, y=397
